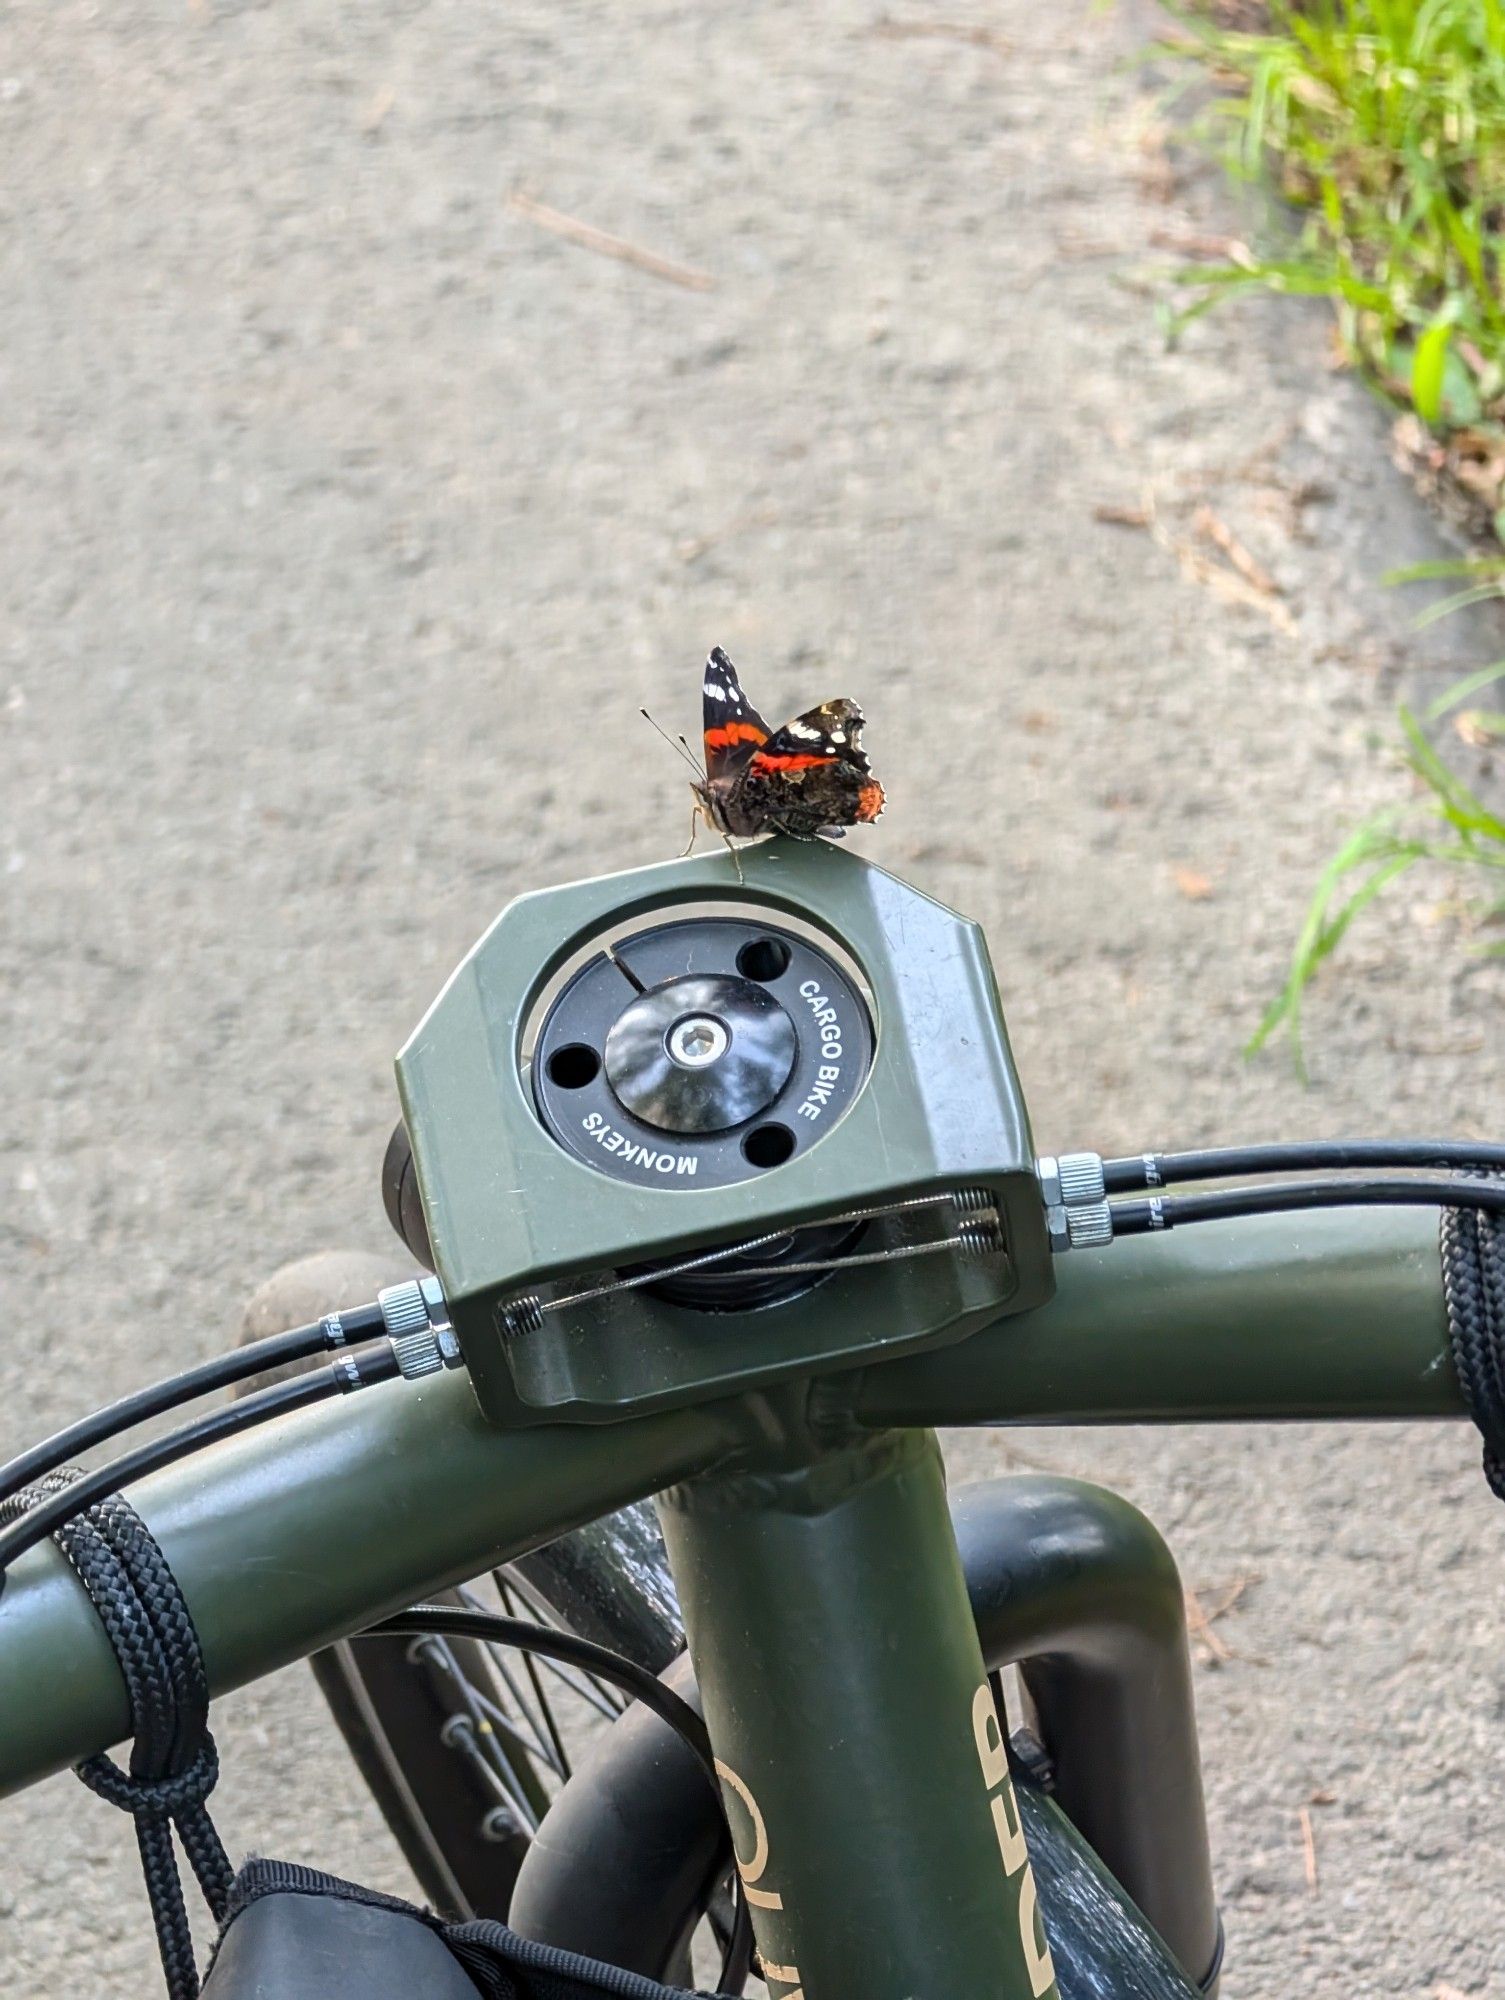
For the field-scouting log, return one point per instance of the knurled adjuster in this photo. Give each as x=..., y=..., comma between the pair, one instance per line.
x=1074, y=1190
x=417, y=1322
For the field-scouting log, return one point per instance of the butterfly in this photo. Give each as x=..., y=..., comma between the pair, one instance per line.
x=809, y=777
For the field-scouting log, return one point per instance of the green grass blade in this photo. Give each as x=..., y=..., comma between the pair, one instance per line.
x=1428, y=366
x=1483, y=677
x=1373, y=845
x=1462, y=808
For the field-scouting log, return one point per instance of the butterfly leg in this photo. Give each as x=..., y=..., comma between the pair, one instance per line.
x=736, y=860
x=696, y=815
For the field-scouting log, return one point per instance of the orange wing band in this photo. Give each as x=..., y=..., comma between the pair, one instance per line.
x=734, y=732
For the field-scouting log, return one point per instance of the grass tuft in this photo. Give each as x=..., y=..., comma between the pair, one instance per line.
x=1446, y=822
x=1381, y=123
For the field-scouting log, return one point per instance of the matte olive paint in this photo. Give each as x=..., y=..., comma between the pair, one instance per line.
x=297, y=1534
x=838, y=1666
x=1338, y=1313
x=509, y=1210
x=1063, y=1577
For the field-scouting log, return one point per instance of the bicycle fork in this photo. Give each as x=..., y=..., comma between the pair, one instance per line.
x=861, y=1755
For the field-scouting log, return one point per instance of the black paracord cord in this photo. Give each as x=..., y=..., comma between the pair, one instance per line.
x=525, y=1636
x=1472, y=1245
x=173, y=1763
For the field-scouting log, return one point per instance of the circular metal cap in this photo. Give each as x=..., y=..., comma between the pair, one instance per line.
x=700, y=1054
x=697, y=1048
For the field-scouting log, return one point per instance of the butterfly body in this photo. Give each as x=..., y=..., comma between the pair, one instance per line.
x=808, y=778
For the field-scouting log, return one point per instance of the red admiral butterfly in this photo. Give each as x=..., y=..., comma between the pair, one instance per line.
x=807, y=778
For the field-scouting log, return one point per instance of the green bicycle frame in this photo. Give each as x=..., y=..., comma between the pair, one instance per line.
x=874, y=1822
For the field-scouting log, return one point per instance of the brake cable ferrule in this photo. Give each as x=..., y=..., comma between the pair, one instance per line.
x=1074, y=1192
x=417, y=1323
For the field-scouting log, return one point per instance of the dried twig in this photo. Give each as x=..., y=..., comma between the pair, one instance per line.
x=1190, y=243
x=1224, y=583
x=941, y=31
x=605, y=244
x=375, y=114
x=1232, y=1595
x=1201, y=1618
x=1239, y=578
x=1222, y=537
x=1308, y=1850
x=1201, y=1628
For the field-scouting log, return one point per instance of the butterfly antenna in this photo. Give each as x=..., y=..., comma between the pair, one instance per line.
x=678, y=744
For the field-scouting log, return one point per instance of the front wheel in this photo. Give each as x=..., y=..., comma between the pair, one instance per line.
x=463, y=1745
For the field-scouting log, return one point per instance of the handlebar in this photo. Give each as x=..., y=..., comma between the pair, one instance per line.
x=298, y=1534
x=1334, y=1314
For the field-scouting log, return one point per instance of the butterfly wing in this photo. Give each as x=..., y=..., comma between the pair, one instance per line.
x=734, y=730
x=812, y=773
x=832, y=730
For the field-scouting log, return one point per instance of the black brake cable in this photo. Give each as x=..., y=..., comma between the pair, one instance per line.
x=1167, y=1211
x=278, y=1350
x=1157, y=1170
x=377, y=1362
x=465, y=1622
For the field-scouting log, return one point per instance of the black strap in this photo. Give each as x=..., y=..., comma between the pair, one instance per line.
x=173, y=1764
x=1473, y=1283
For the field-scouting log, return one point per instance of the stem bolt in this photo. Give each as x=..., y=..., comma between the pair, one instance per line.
x=697, y=1041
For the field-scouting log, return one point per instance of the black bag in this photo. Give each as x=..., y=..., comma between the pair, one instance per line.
x=290, y=1933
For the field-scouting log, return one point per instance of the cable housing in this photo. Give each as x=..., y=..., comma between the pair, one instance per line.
x=1139, y=1218
x=1158, y=1170
x=278, y=1350
x=355, y=1371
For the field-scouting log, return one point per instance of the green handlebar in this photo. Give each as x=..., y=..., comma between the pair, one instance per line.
x=298, y=1534
x=1333, y=1314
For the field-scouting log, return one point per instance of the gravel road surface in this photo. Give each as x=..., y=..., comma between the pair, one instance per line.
x=350, y=514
